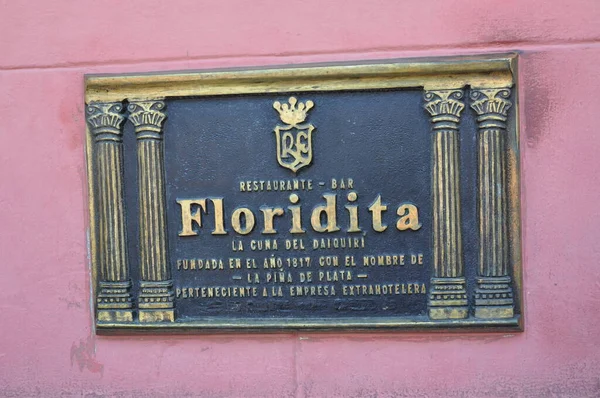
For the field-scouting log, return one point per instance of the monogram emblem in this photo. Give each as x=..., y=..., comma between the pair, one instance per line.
x=294, y=140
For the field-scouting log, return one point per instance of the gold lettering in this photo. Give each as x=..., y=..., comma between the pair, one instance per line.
x=268, y=214
x=376, y=209
x=248, y=218
x=188, y=218
x=296, y=216
x=219, y=217
x=353, y=212
x=409, y=217
x=329, y=210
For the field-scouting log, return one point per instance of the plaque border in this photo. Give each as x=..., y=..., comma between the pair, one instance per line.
x=483, y=72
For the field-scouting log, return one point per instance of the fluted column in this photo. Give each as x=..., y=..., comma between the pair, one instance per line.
x=156, y=299
x=448, y=295
x=114, y=300
x=493, y=294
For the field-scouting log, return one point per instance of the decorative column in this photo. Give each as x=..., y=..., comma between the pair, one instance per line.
x=156, y=299
x=448, y=294
x=114, y=301
x=493, y=294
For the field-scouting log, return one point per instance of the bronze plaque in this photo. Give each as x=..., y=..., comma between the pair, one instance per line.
x=368, y=196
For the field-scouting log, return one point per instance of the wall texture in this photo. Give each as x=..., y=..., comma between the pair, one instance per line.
x=47, y=344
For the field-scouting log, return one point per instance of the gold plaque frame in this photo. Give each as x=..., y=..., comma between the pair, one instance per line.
x=490, y=78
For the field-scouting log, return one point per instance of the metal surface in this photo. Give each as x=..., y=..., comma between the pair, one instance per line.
x=375, y=196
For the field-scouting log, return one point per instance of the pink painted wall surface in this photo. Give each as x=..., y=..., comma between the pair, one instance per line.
x=47, y=344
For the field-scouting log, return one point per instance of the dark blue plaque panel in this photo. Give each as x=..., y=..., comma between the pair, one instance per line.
x=381, y=140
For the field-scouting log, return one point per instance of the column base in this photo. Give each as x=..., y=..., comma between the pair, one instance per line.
x=494, y=297
x=114, y=315
x=157, y=315
x=448, y=298
x=156, y=301
x=114, y=302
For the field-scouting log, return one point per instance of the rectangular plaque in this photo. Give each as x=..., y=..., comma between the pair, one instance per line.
x=367, y=196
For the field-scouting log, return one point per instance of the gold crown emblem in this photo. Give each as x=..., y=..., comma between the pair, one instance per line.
x=290, y=114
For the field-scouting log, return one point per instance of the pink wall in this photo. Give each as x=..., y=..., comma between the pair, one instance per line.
x=47, y=345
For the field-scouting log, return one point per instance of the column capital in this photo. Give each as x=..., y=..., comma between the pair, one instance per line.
x=147, y=117
x=445, y=107
x=491, y=106
x=105, y=120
